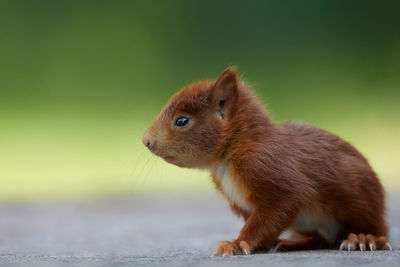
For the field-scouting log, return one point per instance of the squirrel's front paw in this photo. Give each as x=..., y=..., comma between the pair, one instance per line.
x=227, y=248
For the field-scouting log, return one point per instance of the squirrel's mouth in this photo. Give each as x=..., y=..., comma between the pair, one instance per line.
x=162, y=155
x=172, y=160
x=167, y=157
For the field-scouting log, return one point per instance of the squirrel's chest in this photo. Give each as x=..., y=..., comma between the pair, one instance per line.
x=231, y=189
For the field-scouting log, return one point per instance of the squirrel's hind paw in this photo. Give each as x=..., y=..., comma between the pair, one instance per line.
x=365, y=242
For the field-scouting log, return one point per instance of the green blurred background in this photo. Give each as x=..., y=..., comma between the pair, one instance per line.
x=80, y=81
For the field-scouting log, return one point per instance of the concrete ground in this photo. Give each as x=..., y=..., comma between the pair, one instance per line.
x=156, y=231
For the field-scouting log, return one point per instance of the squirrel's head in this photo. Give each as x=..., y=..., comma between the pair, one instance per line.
x=190, y=131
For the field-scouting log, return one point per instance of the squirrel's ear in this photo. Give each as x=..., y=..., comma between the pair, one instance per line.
x=224, y=93
x=226, y=86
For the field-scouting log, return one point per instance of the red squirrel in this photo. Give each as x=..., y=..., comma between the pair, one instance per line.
x=290, y=176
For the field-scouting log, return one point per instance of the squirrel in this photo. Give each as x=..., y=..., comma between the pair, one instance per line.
x=290, y=177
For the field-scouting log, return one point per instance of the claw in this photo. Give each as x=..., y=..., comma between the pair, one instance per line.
x=351, y=247
x=244, y=246
x=371, y=247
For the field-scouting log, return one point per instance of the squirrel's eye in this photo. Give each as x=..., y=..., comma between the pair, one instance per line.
x=181, y=121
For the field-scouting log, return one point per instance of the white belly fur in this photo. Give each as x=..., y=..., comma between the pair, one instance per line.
x=231, y=191
x=325, y=225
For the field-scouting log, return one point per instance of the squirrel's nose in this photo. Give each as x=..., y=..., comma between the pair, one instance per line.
x=146, y=140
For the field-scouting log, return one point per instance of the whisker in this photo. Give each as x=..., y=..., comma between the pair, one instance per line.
x=151, y=168
x=145, y=166
x=136, y=160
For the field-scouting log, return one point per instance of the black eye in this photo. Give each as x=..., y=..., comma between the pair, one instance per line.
x=181, y=121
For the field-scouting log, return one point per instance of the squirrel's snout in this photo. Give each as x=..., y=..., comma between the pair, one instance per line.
x=146, y=140
x=151, y=143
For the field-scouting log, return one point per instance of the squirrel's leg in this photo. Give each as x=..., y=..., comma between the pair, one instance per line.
x=260, y=230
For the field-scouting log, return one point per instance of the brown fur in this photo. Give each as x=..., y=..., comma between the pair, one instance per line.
x=279, y=169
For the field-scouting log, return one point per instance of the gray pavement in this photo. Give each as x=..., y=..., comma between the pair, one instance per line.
x=157, y=231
